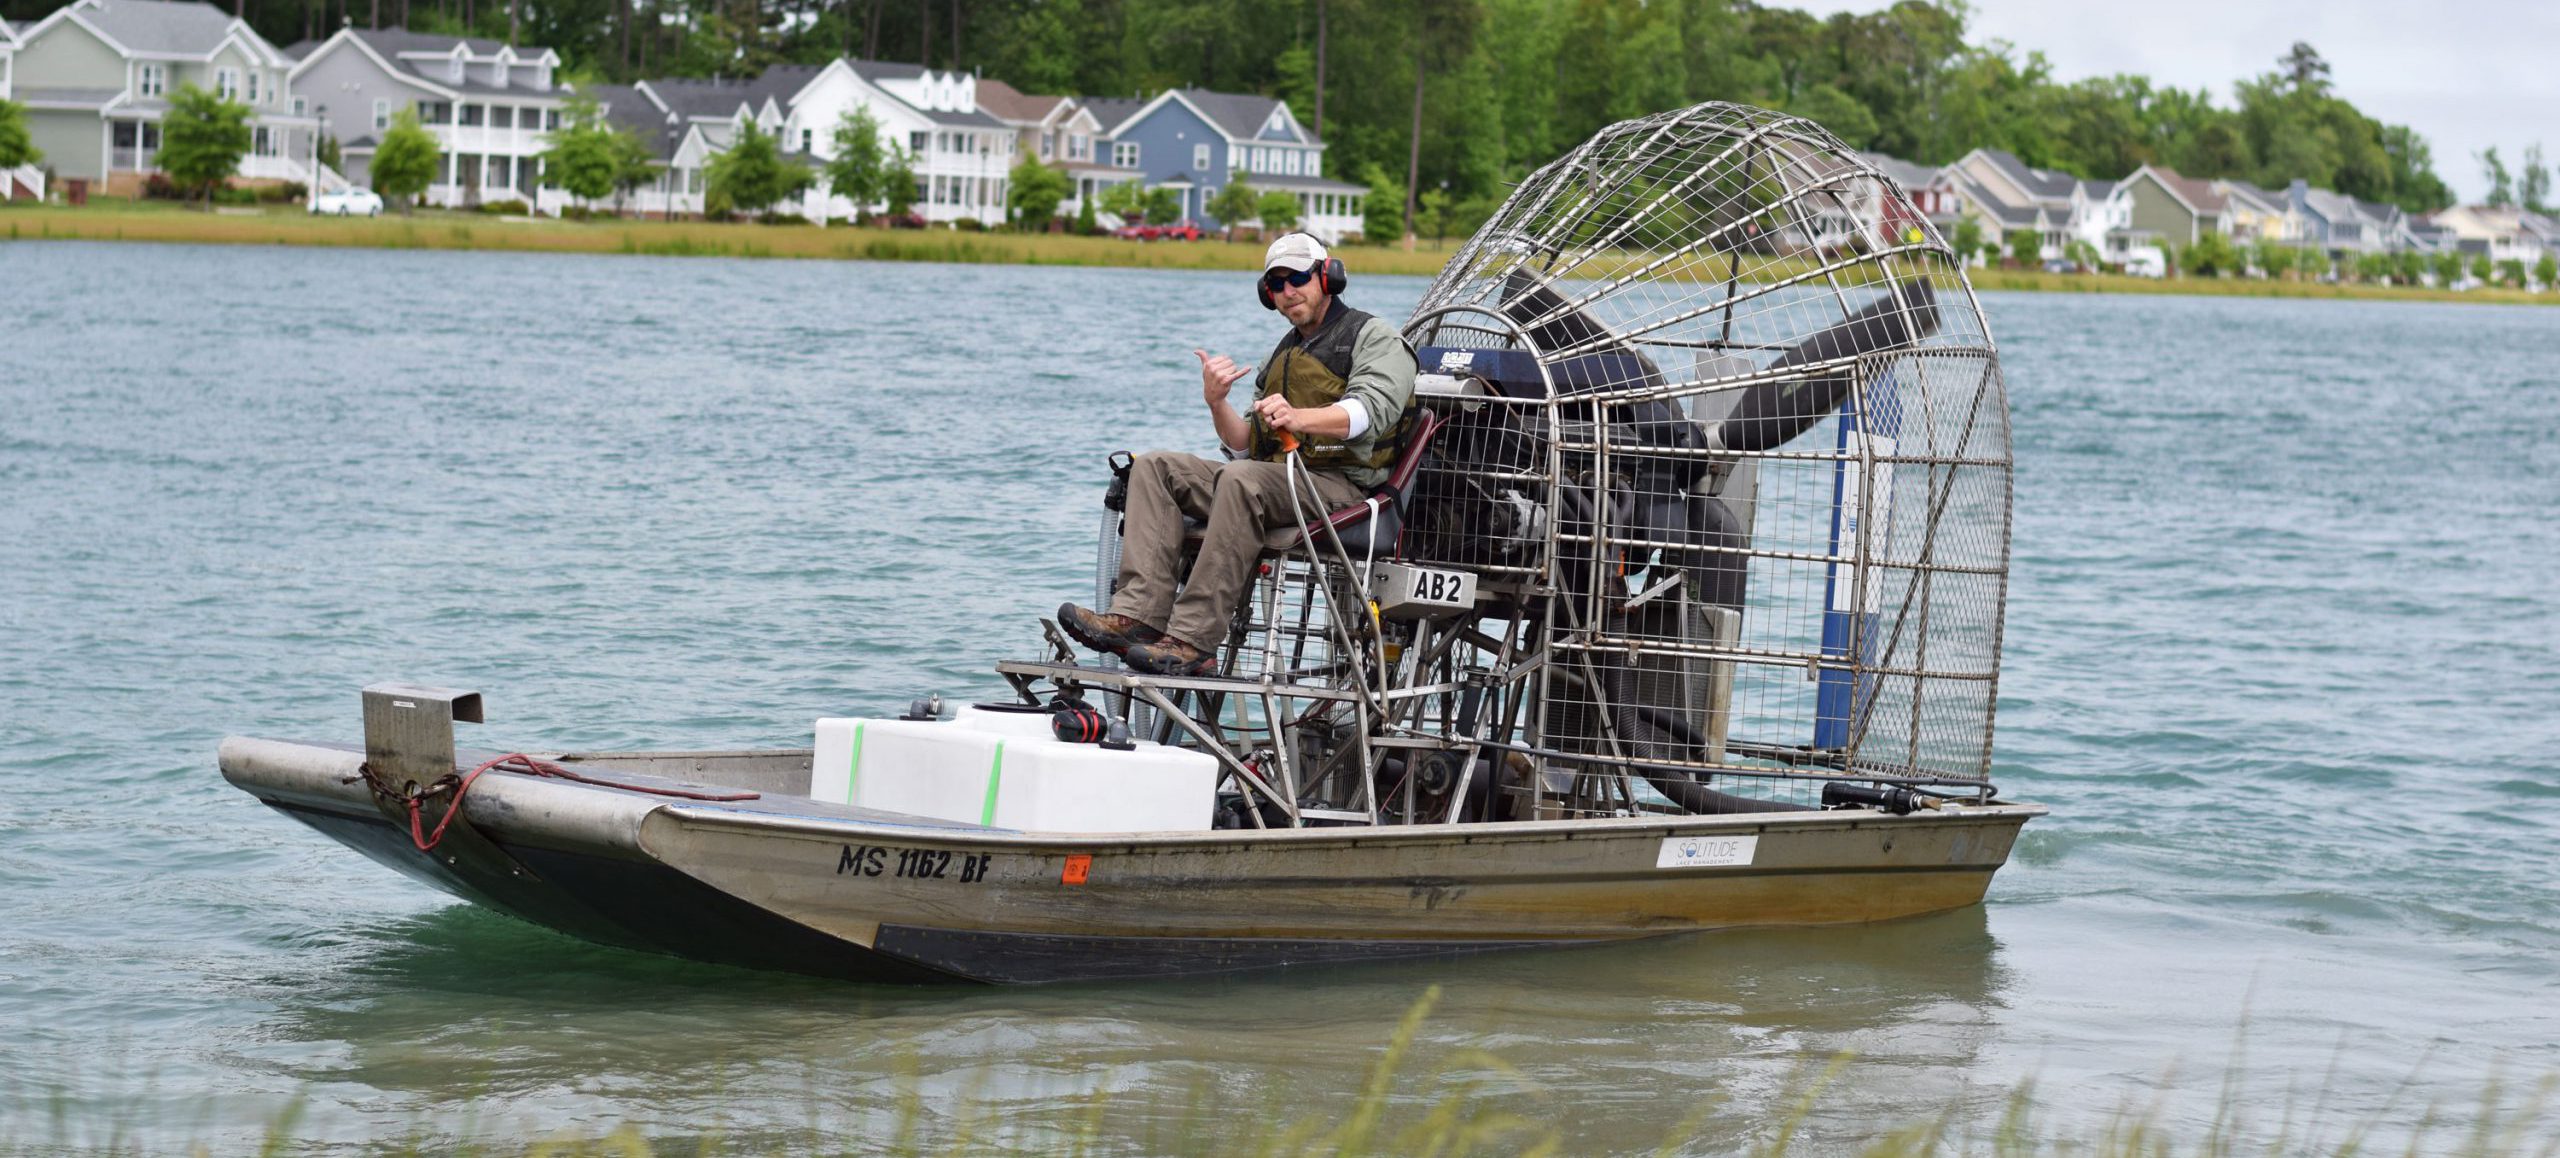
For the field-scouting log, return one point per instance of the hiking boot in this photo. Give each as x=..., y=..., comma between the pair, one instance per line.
x=1170, y=656
x=1103, y=631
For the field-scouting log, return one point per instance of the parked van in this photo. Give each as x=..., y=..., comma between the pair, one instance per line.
x=2146, y=261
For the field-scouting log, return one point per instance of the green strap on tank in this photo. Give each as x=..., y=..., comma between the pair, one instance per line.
x=995, y=781
x=853, y=767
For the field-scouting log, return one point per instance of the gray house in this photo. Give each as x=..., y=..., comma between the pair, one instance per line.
x=491, y=106
x=96, y=75
x=1197, y=142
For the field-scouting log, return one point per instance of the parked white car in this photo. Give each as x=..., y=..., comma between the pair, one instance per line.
x=2146, y=261
x=349, y=202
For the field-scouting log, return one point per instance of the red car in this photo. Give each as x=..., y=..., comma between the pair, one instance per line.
x=1179, y=231
x=1137, y=232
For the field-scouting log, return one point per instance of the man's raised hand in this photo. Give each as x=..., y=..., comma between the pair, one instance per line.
x=1218, y=373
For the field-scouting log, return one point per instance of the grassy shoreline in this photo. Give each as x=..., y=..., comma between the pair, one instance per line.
x=470, y=231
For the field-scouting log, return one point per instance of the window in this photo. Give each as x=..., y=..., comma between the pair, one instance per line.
x=155, y=80
x=1315, y=164
x=1200, y=157
x=806, y=136
x=226, y=83
x=496, y=168
x=1292, y=167
x=915, y=143
x=693, y=180
x=1124, y=154
x=253, y=86
x=301, y=107
x=474, y=115
x=502, y=116
x=1048, y=145
x=381, y=115
x=551, y=118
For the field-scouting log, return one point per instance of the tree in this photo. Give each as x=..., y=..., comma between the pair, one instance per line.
x=2212, y=255
x=1234, y=205
x=16, y=147
x=2026, y=246
x=634, y=165
x=901, y=193
x=1278, y=211
x=859, y=172
x=752, y=174
x=202, y=138
x=2533, y=186
x=2303, y=66
x=1085, y=224
x=1968, y=240
x=1033, y=191
x=1164, y=206
x=585, y=157
x=1382, y=211
x=2511, y=271
x=2448, y=267
x=2480, y=270
x=2547, y=271
x=1126, y=201
x=407, y=159
x=2502, y=186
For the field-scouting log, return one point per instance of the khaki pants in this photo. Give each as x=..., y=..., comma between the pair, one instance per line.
x=1246, y=505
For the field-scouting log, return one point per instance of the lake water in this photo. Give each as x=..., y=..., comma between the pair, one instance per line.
x=2284, y=659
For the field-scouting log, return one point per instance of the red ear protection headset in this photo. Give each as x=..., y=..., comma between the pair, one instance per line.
x=1330, y=271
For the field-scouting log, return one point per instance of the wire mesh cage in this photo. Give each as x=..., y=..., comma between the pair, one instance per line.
x=1709, y=513
x=1725, y=427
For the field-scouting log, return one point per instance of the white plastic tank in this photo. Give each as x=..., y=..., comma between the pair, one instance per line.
x=1007, y=769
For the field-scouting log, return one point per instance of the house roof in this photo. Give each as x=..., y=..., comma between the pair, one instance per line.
x=631, y=110
x=1267, y=182
x=877, y=71
x=2042, y=184
x=2332, y=207
x=2010, y=216
x=159, y=27
x=1239, y=115
x=1007, y=103
x=1111, y=111
x=1910, y=175
x=2232, y=188
x=691, y=97
x=395, y=46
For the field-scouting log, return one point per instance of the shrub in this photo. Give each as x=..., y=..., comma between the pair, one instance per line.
x=579, y=213
x=158, y=187
x=512, y=206
x=234, y=195
x=785, y=219
x=282, y=193
x=969, y=225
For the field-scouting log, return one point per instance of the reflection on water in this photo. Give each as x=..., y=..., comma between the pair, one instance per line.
x=461, y=1006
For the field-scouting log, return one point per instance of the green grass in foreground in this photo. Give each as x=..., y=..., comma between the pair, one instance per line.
x=114, y=220
x=1470, y=1108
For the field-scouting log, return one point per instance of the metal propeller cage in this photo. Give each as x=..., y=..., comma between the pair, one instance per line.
x=1757, y=496
x=1725, y=447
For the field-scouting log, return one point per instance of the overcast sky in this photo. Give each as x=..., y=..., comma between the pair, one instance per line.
x=2467, y=74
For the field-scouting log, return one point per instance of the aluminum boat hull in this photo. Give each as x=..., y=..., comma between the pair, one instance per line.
x=785, y=882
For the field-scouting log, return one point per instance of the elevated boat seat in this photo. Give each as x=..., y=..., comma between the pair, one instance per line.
x=1372, y=526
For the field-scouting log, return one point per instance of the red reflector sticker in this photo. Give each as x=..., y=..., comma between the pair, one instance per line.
x=1077, y=866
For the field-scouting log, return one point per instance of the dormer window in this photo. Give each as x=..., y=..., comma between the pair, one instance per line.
x=453, y=70
x=154, y=80
x=226, y=83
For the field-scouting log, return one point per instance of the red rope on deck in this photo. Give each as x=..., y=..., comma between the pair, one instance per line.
x=511, y=762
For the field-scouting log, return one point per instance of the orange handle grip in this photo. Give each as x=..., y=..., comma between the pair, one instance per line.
x=1288, y=442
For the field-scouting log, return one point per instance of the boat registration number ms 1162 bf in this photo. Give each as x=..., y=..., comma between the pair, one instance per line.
x=1405, y=591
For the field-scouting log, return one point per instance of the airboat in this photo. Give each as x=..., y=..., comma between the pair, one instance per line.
x=1681, y=611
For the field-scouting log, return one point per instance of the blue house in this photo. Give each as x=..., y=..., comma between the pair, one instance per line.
x=1198, y=142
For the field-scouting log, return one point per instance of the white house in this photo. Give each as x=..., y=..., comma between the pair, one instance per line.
x=2504, y=234
x=25, y=180
x=490, y=105
x=960, y=154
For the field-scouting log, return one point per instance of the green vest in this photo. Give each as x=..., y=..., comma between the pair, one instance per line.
x=1316, y=373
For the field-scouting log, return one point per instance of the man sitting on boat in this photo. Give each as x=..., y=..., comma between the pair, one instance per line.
x=1336, y=391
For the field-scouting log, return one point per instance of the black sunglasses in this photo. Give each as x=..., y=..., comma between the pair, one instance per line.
x=1278, y=278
